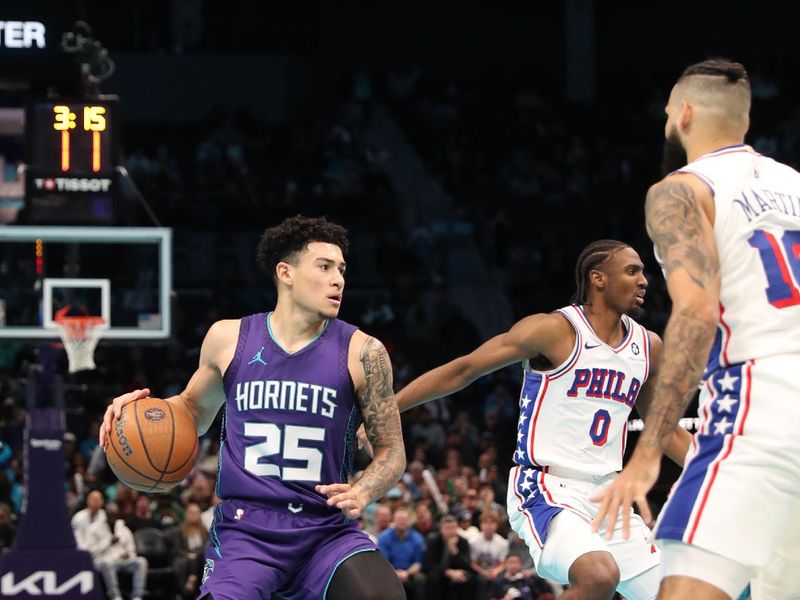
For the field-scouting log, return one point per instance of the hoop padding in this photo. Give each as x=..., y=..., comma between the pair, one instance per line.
x=80, y=336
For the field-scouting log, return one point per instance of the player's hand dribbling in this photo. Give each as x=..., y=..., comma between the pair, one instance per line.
x=350, y=499
x=631, y=486
x=113, y=410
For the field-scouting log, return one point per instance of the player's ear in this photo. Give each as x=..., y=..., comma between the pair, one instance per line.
x=284, y=272
x=686, y=115
x=598, y=279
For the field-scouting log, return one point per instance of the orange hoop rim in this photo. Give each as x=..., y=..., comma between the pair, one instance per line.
x=78, y=325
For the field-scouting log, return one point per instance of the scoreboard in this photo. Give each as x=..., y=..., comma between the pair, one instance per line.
x=72, y=156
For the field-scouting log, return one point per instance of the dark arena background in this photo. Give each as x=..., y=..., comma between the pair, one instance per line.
x=472, y=150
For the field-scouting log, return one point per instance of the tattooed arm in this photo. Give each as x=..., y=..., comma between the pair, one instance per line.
x=381, y=421
x=679, y=211
x=372, y=376
x=679, y=214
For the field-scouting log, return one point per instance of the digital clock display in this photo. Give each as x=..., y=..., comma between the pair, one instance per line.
x=72, y=139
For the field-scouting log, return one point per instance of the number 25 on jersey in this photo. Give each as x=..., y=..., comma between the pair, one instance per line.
x=291, y=436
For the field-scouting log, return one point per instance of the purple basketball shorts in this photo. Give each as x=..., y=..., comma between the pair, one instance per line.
x=254, y=551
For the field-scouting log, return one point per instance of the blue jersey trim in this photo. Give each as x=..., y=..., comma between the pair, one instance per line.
x=271, y=335
x=222, y=439
x=212, y=534
x=233, y=368
x=353, y=423
x=333, y=572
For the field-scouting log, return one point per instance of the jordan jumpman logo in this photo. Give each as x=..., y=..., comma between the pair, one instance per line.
x=257, y=358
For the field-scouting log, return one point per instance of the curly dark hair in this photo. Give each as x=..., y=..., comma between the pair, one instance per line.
x=591, y=257
x=285, y=241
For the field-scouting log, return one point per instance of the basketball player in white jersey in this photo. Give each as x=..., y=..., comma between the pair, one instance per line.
x=584, y=367
x=726, y=227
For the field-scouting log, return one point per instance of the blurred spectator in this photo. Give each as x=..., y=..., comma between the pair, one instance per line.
x=424, y=519
x=413, y=479
x=466, y=529
x=82, y=519
x=447, y=563
x=518, y=547
x=383, y=518
x=469, y=503
x=488, y=551
x=395, y=498
x=487, y=504
x=404, y=548
x=188, y=541
x=430, y=432
x=168, y=511
x=512, y=582
x=200, y=491
x=142, y=514
x=113, y=550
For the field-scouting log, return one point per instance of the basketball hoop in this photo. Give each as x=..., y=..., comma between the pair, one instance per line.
x=80, y=335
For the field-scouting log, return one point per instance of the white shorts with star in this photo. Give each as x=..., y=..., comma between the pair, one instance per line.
x=740, y=488
x=553, y=515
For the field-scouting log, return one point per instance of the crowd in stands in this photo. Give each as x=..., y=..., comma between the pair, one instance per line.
x=538, y=178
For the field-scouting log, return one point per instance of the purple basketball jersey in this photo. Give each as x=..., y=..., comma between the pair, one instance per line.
x=290, y=419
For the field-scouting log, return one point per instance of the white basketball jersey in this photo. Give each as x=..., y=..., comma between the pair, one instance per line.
x=757, y=231
x=575, y=416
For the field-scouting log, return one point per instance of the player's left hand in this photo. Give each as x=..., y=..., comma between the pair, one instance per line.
x=351, y=500
x=630, y=486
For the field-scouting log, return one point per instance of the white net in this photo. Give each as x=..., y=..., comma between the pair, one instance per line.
x=80, y=336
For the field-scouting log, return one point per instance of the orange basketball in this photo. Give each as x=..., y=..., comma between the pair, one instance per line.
x=153, y=445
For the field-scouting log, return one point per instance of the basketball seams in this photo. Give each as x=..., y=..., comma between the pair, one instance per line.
x=191, y=457
x=132, y=468
x=141, y=438
x=137, y=476
x=171, y=441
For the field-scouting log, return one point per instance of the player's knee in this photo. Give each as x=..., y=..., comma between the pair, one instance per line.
x=598, y=575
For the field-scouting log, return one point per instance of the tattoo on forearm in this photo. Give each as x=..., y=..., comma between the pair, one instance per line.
x=381, y=420
x=674, y=224
x=687, y=342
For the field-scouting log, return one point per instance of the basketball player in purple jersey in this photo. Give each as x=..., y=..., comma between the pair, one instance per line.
x=584, y=367
x=725, y=222
x=296, y=384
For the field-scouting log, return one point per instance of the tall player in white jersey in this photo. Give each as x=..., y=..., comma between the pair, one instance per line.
x=584, y=367
x=726, y=227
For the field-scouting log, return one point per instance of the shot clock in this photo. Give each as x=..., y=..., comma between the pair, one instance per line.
x=72, y=156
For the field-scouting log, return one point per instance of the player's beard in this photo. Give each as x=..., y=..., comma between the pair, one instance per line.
x=674, y=156
x=635, y=312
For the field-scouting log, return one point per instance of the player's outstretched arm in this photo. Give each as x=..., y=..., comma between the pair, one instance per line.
x=373, y=381
x=533, y=335
x=536, y=334
x=204, y=394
